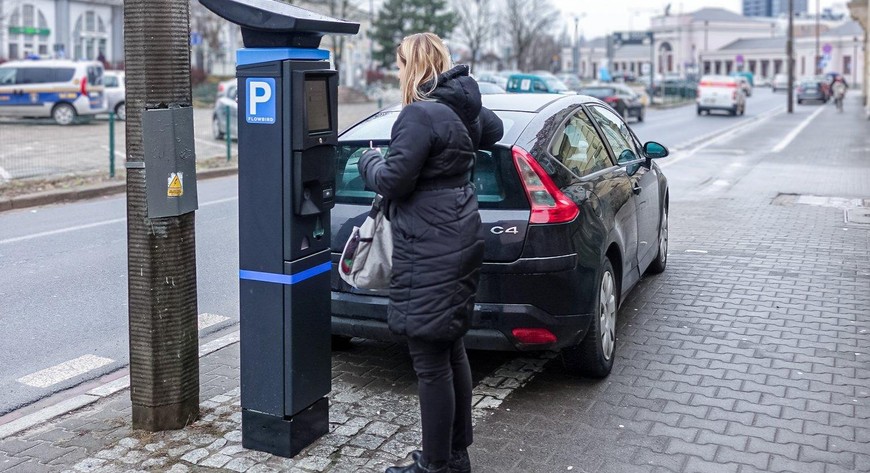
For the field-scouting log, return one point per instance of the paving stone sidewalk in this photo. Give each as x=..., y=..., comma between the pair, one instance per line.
x=751, y=353
x=374, y=421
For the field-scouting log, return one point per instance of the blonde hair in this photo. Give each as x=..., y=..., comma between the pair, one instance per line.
x=423, y=56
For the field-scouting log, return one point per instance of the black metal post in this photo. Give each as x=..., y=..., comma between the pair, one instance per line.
x=164, y=344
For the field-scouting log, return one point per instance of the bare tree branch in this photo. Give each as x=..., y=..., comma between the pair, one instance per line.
x=526, y=21
x=476, y=25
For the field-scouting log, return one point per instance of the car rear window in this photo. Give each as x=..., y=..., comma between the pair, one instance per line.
x=494, y=177
x=598, y=91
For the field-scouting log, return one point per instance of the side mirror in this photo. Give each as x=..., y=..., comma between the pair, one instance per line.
x=627, y=156
x=654, y=150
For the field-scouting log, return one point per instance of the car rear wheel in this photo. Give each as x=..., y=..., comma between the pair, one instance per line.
x=640, y=115
x=658, y=265
x=340, y=343
x=594, y=355
x=121, y=111
x=216, y=129
x=63, y=114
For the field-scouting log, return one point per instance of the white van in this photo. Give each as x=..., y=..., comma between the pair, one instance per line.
x=62, y=90
x=721, y=93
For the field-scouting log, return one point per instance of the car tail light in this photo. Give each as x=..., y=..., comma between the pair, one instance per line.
x=611, y=100
x=85, y=85
x=549, y=204
x=534, y=336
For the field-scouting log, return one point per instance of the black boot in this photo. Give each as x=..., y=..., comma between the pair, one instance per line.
x=459, y=461
x=418, y=467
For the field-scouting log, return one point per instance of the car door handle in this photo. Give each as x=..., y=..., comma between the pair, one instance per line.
x=636, y=188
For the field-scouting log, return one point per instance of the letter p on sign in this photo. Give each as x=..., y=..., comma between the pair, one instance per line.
x=260, y=95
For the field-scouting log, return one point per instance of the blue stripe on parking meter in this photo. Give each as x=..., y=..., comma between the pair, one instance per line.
x=260, y=101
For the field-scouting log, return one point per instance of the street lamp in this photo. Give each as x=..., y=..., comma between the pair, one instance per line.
x=576, y=59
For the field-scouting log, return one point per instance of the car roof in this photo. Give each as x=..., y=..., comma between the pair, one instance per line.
x=47, y=63
x=519, y=102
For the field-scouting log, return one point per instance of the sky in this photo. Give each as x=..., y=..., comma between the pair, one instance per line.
x=606, y=16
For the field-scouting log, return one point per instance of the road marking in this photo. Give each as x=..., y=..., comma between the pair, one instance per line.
x=206, y=320
x=64, y=371
x=791, y=136
x=703, y=252
x=219, y=343
x=93, y=225
x=44, y=415
x=728, y=133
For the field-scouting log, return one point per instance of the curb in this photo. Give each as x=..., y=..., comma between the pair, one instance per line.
x=89, y=192
x=93, y=395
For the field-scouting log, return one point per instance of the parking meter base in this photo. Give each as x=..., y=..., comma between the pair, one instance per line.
x=285, y=436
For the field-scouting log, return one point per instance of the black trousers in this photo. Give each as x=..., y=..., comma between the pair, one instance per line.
x=444, y=381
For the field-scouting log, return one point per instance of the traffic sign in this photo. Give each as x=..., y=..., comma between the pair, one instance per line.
x=827, y=48
x=632, y=37
x=739, y=59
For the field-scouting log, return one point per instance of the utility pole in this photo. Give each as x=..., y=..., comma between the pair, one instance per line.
x=161, y=199
x=790, y=55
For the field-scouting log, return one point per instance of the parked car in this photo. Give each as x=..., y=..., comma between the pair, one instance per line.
x=490, y=88
x=535, y=84
x=780, y=82
x=60, y=89
x=116, y=93
x=625, y=101
x=574, y=212
x=721, y=93
x=811, y=89
x=228, y=101
x=223, y=88
x=571, y=80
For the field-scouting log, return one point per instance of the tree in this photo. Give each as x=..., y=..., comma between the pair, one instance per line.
x=400, y=18
x=526, y=22
x=210, y=27
x=345, y=10
x=476, y=25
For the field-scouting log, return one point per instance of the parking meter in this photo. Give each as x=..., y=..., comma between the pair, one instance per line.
x=288, y=130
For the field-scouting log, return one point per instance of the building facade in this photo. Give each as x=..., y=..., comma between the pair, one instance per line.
x=72, y=29
x=772, y=8
x=860, y=11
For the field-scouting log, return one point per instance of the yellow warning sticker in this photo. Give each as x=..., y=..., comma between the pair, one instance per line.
x=176, y=185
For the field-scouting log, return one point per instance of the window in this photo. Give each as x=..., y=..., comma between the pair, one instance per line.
x=579, y=147
x=90, y=36
x=617, y=134
x=7, y=75
x=44, y=75
x=28, y=32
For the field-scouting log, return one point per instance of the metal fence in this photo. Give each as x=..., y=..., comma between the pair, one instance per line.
x=39, y=149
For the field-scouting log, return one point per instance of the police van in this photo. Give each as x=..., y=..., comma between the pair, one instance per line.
x=60, y=89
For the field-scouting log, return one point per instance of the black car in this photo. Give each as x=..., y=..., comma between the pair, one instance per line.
x=574, y=212
x=624, y=100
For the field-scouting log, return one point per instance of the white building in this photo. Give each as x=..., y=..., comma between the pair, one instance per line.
x=75, y=29
x=713, y=40
x=860, y=11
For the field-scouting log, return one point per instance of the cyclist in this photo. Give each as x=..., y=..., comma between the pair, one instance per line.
x=838, y=89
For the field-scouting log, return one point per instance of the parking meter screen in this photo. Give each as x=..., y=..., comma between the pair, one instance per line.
x=317, y=105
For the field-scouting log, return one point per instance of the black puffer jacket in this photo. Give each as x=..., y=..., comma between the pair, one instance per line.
x=437, y=252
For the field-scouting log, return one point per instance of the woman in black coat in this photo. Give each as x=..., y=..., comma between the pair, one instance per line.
x=437, y=252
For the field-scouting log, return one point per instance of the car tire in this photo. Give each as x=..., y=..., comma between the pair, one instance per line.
x=743, y=109
x=733, y=111
x=216, y=129
x=594, y=355
x=623, y=112
x=341, y=343
x=64, y=114
x=659, y=264
x=800, y=102
x=121, y=111
x=640, y=115
x=699, y=111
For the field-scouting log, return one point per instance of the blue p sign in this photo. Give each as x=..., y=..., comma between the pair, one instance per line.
x=261, y=101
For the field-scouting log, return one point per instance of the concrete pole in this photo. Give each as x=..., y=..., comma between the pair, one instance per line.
x=161, y=252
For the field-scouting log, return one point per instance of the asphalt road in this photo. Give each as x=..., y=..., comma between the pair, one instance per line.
x=63, y=268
